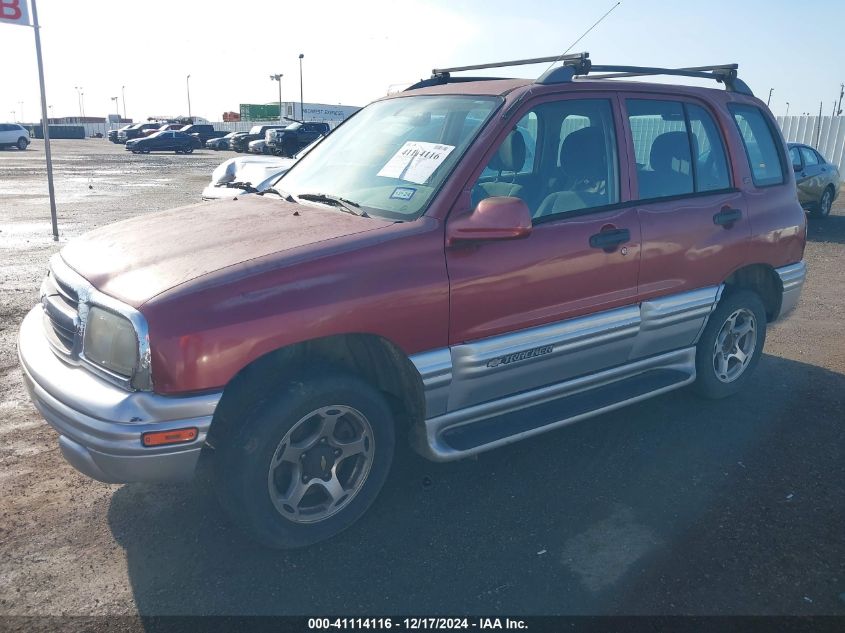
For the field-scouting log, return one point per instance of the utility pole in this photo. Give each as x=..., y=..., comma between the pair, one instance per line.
x=787, y=108
x=818, y=126
x=123, y=94
x=278, y=77
x=841, y=92
x=769, y=100
x=188, y=84
x=301, y=101
x=116, y=107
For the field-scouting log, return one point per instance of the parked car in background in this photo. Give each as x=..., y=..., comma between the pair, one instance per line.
x=240, y=141
x=817, y=180
x=134, y=131
x=163, y=141
x=14, y=135
x=416, y=276
x=113, y=134
x=202, y=131
x=163, y=128
x=219, y=143
x=288, y=141
x=258, y=146
x=245, y=175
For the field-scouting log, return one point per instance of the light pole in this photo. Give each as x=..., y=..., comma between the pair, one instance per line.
x=278, y=78
x=20, y=103
x=787, y=108
x=116, y=108
x=14, y=115
x=769, y=100
x=79, y=100
x=123, y=95
x=301, y=103
x=188, y=84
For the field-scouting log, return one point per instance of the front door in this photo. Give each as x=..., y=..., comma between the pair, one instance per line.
x=562, y=302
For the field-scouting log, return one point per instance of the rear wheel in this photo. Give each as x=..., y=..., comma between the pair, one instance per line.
x=22, y=143
x=189, y=149
x=822, y=210
x=730, y=346
x=307, y=462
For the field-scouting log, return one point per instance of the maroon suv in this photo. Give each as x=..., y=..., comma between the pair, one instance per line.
x=467, y=263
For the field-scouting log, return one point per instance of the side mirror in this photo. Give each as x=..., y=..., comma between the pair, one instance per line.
x=498, y=218
x=796, y=168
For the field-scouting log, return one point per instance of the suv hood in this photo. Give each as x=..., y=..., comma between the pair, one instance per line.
x=137, y=259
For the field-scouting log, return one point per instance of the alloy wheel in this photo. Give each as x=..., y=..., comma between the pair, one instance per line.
x=735, y=345
x=825, y=203
x=321, y=463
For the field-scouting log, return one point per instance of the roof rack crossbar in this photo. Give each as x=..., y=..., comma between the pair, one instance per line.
x=438, y=72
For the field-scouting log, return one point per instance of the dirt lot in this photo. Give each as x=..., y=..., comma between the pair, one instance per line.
x=672, y=506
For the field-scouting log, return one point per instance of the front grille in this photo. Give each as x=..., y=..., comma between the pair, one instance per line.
x=61, y=315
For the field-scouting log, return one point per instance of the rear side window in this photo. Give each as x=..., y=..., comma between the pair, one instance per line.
x=661, y=148
x=760, y=146
x=795, y=157
x=809, y=156
x=709, y=161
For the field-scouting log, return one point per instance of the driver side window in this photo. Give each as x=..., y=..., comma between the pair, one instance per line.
x=559, y=157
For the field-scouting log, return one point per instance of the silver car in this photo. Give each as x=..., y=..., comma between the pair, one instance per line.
x=818, y=180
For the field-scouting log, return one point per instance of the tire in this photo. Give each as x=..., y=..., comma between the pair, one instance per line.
x=822, y=209
x=22, y=143
x=723, y=372
x=188, y=150
x=245, y=476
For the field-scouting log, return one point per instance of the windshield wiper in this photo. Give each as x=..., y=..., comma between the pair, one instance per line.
x=341, y=203
x=246, y=186
x=282, y=194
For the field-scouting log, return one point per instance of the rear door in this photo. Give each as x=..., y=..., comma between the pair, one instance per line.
x=809, y=181
x=561, y=302
x=695, y=228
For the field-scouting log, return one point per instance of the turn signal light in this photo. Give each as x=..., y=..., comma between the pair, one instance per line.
x=177, y=436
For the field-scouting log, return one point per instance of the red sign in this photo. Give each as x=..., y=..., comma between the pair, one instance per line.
x=14, y=12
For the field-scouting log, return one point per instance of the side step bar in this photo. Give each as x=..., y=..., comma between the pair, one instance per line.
x=489, y=425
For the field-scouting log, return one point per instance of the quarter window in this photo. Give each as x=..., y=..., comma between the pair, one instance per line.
x=760, y=146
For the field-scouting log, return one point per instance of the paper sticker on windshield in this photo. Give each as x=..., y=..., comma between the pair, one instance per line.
x=403, y=193
x=416, y=161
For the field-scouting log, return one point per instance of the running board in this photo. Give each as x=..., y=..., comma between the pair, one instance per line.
x=489, y=425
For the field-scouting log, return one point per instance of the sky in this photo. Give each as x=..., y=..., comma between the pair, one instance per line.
x=354, y=51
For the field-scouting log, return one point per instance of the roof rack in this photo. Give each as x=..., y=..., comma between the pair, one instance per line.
x=579, y=64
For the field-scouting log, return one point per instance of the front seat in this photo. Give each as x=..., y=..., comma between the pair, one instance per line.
x=509, y=158
x=669, y=156
x=583, y=172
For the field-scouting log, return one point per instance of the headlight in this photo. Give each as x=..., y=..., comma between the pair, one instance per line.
x=110, y=342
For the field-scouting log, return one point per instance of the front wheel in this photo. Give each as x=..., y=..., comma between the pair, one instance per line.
x=188, y=150
x=307, y=462
x=22, y=143
x=731, y=344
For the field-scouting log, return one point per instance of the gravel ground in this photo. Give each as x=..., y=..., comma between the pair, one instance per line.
x=671, y=506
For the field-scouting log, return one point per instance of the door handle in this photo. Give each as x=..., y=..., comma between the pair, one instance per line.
x=727, y=216
x=610, y=239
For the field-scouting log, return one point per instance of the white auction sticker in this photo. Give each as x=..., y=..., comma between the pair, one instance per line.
x=416, y=161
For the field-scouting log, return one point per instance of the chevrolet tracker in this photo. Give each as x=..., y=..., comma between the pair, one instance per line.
x=467, y=263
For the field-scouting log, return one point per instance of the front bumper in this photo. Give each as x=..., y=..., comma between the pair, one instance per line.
x=100, y=424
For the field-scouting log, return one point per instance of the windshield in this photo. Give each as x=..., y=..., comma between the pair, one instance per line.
x=156, y=135
x=255, y=129
x=392, y=156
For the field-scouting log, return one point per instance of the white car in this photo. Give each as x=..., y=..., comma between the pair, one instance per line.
x=258, y=147
x=249, y=174
x=13, y=135
x=244, y=175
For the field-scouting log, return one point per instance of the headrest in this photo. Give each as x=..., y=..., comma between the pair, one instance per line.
x=511, y=154
x=583, y=155
x=668, y=147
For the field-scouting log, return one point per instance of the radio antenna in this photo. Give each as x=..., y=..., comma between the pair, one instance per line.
x=583, y=35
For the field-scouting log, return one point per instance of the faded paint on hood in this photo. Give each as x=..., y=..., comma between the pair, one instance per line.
x=137, y=259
